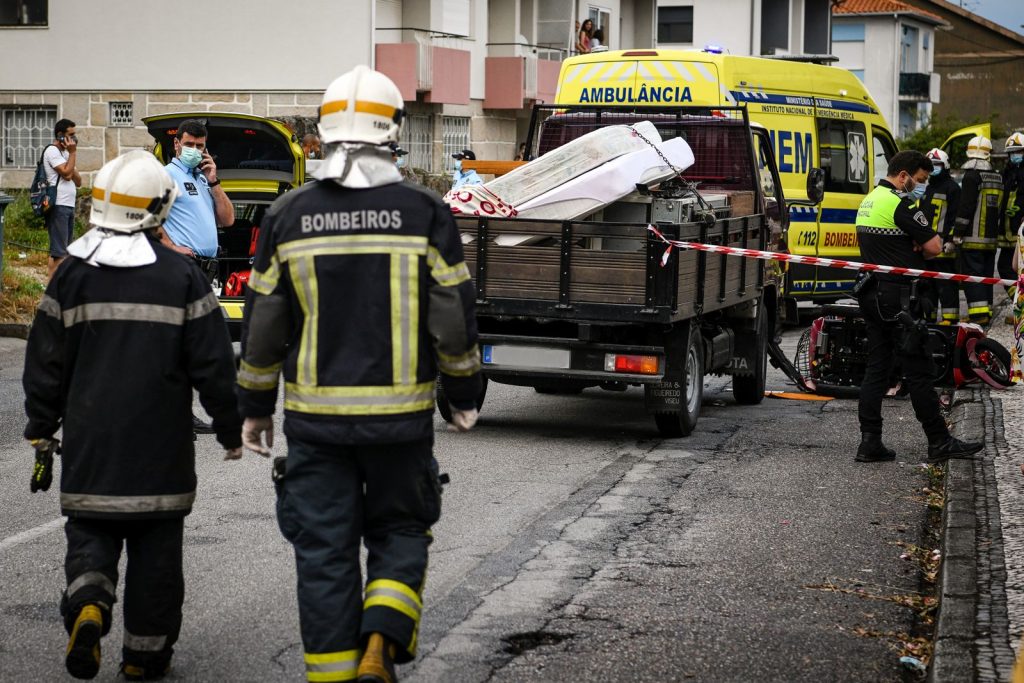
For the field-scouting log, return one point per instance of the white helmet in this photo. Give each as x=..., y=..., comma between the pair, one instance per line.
x=979, y=147
x=938, y=157
x=362, y=105
x=1015, y=143
x=132, y=193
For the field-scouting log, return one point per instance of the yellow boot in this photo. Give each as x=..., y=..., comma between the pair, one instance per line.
x=83, y=655
x=378, y=662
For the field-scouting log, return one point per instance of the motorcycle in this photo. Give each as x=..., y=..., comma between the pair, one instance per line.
x=832, y=355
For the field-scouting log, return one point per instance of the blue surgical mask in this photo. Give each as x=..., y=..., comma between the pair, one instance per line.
x=918, y=191
x=400, y=162
x=458, y=165
x=190, y=157
x=936, y=170
x=1016, y=158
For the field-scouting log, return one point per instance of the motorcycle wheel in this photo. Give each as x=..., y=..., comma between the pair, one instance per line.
x=990, y=361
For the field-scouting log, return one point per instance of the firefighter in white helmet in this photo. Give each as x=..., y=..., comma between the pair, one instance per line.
x=113, y=356
x=977, y=225
x=1011, y=211
x=359, y=296
x=940, y=203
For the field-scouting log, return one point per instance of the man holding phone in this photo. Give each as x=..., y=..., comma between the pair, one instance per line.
x=59, y=163
x=190, y=227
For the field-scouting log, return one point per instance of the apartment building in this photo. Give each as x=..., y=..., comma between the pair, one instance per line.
x=468, y=69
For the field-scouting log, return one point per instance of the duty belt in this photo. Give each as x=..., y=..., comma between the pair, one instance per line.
x=207, y=265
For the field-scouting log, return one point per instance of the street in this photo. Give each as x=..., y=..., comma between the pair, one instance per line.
x=570, y=535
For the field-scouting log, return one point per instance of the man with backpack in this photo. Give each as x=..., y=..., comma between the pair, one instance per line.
x=58, y=163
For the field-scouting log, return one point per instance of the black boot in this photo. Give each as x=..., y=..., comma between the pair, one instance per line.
x=872, y=449
x=200, y=427
x=951, y=447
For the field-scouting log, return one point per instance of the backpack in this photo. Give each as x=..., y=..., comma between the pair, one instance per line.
x=42, y=195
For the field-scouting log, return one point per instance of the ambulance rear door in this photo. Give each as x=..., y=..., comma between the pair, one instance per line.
x=640, y=77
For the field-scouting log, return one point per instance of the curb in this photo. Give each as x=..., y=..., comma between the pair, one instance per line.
x=16, y=330
x=953, y=658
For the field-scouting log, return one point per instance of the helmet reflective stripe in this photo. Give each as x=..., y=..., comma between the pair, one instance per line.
x=362, y=107
x=132, y=192
x=99, y=194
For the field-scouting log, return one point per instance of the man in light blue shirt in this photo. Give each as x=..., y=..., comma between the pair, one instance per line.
x=460, y=177
x=202, y=206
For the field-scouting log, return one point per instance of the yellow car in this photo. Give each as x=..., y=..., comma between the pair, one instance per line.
x=258, y=160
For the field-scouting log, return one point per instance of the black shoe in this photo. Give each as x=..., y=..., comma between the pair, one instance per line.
x=872, y=449
x=200, y=427
x=83, y=656
x=132, y=672
x=952, y=448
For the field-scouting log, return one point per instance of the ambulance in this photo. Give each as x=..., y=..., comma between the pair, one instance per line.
x=817, y=116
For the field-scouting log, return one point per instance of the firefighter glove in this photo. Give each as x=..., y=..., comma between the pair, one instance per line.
x=253, y=430
x=42, y=471
x=463, y=420
x=948, y=248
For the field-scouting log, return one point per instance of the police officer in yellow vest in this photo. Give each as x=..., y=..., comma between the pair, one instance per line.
x=893, y=231
x=977, y=225
x=359, y=295
x=940, y=203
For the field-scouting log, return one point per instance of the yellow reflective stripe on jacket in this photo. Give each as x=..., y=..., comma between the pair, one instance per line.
x=939, y=217
x=393, y=594
x=353, y=244
x=405, y=315
x=445, y=275
x=265, y=282
x=256, y=378
x=85, y=502
x=332, y=666
x=126, y=312
x=460, y=366
x=304, y=279
x=361, y=400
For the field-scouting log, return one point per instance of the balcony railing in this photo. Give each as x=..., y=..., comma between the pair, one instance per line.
x=915, y=85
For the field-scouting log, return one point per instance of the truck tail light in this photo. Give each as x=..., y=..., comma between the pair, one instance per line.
x=636, y=365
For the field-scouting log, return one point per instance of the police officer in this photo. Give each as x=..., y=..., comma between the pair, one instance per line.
x=1011, y=211
x=359, y=295
x=893, y=231
x=126, y=329
x=977, y=225
x=940, y=203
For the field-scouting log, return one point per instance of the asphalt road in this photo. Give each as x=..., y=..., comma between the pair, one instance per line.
x=574, y=545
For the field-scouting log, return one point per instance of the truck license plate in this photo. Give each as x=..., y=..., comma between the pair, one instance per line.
x=526, y=356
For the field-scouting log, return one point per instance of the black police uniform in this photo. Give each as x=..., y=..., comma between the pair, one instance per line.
x=112, y=358
x=888, y=226
x=940, y=204
x=358, y=298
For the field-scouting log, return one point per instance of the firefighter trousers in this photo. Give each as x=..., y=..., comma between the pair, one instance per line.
x=330, y=498
x=947, y=291
x=1004, y=266
x=154, y=585
x=979, y=297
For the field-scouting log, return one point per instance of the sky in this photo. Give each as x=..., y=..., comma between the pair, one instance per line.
x=1007, y=13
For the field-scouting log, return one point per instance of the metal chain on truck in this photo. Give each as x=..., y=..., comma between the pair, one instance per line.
x=689, y=187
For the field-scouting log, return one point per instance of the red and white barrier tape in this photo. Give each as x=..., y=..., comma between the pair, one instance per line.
x=827, y=262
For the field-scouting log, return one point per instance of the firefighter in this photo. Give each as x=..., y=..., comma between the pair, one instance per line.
x=977, y=225
x=125, y=331
x=893, y=231
x=940, y=202
x=359, y=295
x=1011, y=210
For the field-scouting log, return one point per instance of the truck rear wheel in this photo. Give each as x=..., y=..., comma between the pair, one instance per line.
x=445, y=408
x=688, y=371
x=749, y=389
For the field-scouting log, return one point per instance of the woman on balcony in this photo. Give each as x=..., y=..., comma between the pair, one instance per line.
x=584, y=36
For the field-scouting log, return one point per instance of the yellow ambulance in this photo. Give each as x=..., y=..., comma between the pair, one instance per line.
x=817, y=115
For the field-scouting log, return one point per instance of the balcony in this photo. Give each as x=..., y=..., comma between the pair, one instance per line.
x=915, y=86
x=514, y=82
x=413, y=63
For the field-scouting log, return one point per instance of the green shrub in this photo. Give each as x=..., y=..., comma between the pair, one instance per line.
x=25, y=230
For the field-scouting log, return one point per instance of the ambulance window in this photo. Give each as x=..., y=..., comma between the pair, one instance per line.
x=883, y=150
x=843, y=150
x=764, y=150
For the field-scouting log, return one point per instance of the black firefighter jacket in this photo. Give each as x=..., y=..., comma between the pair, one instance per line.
x=112, y=358
x=358, y=298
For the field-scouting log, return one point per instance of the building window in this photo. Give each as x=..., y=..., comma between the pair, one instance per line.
x=675, y=24
x=24, y=133
x=847, y=33
x=859, y=73
x=24, y=13
x=418, y=141
x=455, y=134
x=121, y=114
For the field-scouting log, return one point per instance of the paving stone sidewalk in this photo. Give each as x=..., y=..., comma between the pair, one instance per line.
x=981, y=615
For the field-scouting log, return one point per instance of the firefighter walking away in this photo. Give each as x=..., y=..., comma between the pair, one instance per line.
x=359, y=295
x=125, y=331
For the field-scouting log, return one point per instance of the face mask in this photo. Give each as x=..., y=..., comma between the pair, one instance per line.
x=1016, y=158
x=918, y=190
x=400, y=162
x=458, y=165
x=936, y=170
x=190, y=157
